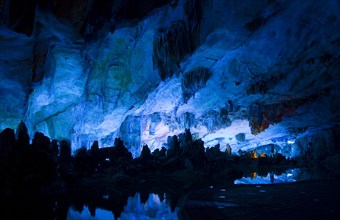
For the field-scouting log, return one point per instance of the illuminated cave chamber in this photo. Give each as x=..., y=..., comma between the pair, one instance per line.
x=251, y=74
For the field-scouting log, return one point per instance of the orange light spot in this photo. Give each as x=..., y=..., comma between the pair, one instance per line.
x=263, y=155
x=253, y=155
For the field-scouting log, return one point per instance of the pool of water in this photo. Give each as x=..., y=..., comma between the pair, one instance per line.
x=289, y=176
x=155, y=207
x=298, y=192
x=172, y=204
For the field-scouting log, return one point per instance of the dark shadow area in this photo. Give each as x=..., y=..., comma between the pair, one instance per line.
x=43, y=180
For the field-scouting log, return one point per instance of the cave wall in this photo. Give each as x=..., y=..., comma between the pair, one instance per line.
x=86, y=70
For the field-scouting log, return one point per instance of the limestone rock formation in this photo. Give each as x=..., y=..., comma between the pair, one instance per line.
x=98, y=70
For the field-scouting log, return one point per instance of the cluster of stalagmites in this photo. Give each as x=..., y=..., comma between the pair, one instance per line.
x=43, y=160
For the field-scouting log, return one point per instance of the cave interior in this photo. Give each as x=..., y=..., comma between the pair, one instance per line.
x=169, y=109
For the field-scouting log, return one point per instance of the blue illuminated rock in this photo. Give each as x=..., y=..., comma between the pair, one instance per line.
x=241, y=137
x=266, y=69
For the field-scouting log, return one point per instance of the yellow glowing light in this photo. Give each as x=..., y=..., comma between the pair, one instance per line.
x=253, y=155
x=263, y=155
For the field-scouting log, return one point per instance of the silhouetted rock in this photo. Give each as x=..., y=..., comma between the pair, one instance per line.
x=159, y=153
x=228, y=150
x=145, y=152
x=95, y=146
x=36, y=168
x=21, y=133
x=155, y=152
x=65, y=151
x=185, y=140
x=97, y=157
x=65, y=159
x=172, y=164
x=119, y=156
x=214, y=153
x=240, y=152
x=173, y=146
x=279, y=158
x=216, y=159
x=187, y=164
x=264, y=161
x=83, y=161
x=40, y=142
x=196, y=154
x=7, y=142
x=54, y=150
x=162, y=152
x=119, y=150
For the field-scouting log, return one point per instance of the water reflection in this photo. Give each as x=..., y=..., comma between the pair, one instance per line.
x=86, y=214
x=139, y=206
x=154, y=208
x=165, y=205
x=291, y=175
x=209, y=200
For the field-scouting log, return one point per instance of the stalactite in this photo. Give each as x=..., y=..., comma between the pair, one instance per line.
x=193, y=81
x=130, y=131
x=171, y=45
x=169, y=48
x=214, y=120
x=262, y=115
x=194, y=11
x=264, y=84
x=187, y=120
